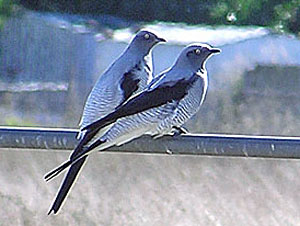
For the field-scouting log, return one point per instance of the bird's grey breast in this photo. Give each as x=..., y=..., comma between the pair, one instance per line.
x=187, y=106
x=195, y=95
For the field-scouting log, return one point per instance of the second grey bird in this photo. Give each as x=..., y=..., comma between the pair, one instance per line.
x=169, y=100
x=128, y=75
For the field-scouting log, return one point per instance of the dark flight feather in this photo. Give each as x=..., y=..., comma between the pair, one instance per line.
x=148, y=99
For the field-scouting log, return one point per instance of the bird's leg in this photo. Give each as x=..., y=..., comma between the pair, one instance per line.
x=177, y=131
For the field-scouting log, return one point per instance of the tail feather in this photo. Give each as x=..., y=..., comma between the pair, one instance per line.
x=72, y=160
x=69, y=181
x=76, y=161
x=57, y=170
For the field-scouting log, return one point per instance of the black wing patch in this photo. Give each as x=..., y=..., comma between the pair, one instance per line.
x=130, y=82
x=146, y=100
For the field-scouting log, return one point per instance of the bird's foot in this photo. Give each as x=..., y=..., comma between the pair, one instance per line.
x=177, y=131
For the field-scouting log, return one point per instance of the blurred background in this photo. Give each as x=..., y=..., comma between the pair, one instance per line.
x=51, y=54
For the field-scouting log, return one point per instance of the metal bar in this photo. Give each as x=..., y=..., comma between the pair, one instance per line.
x=192, y=144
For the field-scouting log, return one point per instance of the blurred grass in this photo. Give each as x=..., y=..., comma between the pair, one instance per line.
x=18, y=121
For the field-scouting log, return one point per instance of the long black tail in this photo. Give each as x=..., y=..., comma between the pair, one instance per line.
x=77, y=160
x=69, y=181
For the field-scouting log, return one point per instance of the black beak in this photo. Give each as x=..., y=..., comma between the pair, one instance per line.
x=160, y=39
x=215, y=50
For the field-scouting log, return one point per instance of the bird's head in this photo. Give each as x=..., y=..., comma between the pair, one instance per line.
x=144, y=41
x=196, y=55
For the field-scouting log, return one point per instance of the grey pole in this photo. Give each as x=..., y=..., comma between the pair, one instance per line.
x=192, y=144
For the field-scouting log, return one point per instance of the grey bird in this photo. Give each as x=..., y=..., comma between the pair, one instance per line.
x=169, y=100
x=128, y=75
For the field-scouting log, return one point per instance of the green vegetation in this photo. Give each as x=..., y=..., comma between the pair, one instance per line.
x=281, y=14
x=5, y=10
x=17, y=121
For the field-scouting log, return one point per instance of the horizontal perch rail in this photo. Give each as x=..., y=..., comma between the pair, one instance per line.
x=191, y=144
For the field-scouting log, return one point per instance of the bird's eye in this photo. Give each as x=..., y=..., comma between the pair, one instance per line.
x=147, y=36
x=197, y=51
